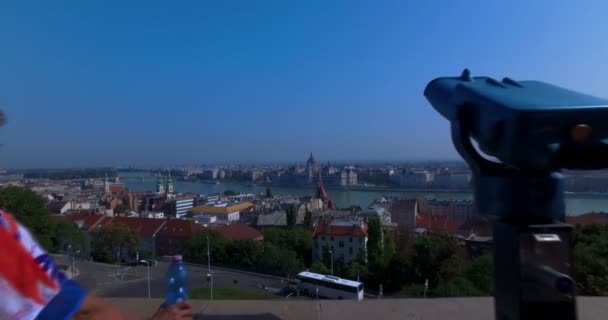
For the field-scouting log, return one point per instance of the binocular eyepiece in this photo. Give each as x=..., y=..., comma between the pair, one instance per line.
x=529, y=125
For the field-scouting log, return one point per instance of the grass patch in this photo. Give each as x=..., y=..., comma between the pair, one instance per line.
x=228, y=294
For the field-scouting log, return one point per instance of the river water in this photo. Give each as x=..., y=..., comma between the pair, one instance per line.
x=343, y=198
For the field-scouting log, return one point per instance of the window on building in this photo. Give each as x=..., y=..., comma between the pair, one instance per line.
x=350, y=250
x=332, y=238
x=332, y=249
x=350, y=239
x=341, y=244
x=323, y=238
x=360, y=240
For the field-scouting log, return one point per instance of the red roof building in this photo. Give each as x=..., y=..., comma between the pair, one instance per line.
x=172, y=237
x=337, y=229
x=439, y=224
x=144, y=227
x=84, y=221
x=344, y=239
x=239, y=231
x=117, y=188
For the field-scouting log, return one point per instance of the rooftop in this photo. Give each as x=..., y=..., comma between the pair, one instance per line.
x=588, y=218
x=439, y=224
x=355, y=229
x=222, y=210
x=239, y=231
x=179, y=228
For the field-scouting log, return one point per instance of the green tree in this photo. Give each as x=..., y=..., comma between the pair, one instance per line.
x=374, y=242
x=230, y=192
x=457, y=287
x=268, y=192
x=291, y=217
x=245, y=253
x=591, y=260
x=390, y=249
x=356, y=269
x=308, y=220
x=481, y=273
x=279, y=261
x=66, y=233
x=431, y=253
x=196, y=247
x=398, y=273
x=121, y=208
x=319, y=267
x=297, y=240
x=29, y=209
x=110, y=239
x=413, y=290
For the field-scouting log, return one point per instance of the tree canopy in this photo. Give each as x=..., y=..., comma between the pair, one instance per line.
x=291, y=217
x=375, y=240
x=113, y=242
x=591, y=260
x=230, y=192
x=308, y=219
x=67, y=234
x=29, y=209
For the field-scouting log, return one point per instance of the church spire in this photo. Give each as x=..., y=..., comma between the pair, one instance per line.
x=322, y=194
x=160, y=187
x=169, y=184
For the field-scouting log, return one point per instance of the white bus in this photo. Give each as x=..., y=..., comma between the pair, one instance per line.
x=328, y=286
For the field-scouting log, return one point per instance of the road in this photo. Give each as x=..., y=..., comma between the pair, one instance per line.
x=113, y=281
x=196, y=279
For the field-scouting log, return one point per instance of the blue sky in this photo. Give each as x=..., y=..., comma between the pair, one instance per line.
x=88, y=83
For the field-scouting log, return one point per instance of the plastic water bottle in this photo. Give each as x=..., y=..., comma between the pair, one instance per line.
x=176, y=279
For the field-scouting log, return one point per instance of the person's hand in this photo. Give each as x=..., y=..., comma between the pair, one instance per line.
x=178, y=311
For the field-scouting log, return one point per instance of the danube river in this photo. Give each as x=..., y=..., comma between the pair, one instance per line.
x=343, y=198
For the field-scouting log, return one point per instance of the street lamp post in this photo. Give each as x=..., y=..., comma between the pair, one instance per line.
x=209, y=275
x=74, y=263
x=148, y=267
x=72, y=254
x=331, y=257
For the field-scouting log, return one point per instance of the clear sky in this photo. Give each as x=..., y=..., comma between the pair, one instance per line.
x=87, y=83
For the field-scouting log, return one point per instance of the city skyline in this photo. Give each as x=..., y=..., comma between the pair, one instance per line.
x=109, y=84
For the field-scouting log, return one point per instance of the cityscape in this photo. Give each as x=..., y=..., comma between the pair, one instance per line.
x=157, y=212
x=266, y=160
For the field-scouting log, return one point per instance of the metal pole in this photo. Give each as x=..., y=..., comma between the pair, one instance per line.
x=426, y=286
x=331, y=256
x=209, y=270
x=208, y=257
x=148, y=267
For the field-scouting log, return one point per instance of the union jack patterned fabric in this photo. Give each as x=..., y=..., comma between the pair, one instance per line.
x=31, y=287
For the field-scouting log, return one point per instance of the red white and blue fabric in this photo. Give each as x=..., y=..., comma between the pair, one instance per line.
x=31, y=287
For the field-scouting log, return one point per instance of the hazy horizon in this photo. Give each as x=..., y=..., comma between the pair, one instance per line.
x=110, y=83
x=248, y=163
